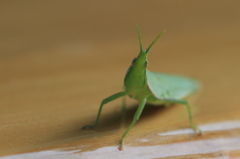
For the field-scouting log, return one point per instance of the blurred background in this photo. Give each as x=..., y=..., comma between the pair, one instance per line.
x=30, y=26
x=59, y=59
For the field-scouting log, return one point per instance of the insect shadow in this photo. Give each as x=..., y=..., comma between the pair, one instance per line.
x=113, y=121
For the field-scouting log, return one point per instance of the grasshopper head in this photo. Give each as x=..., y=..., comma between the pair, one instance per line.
x=135, y=78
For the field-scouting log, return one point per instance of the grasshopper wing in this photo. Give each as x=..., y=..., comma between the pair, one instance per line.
x=171, y=86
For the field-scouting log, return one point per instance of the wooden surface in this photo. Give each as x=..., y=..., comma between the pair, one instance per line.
x=59, y=59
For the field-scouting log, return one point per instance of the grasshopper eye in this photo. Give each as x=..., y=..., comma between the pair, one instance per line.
x=134, y=61
x=146, y=63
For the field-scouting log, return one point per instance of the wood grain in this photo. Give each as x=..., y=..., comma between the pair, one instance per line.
x=58, y=60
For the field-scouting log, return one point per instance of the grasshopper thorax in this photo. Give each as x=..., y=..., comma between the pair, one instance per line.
x=135, y=78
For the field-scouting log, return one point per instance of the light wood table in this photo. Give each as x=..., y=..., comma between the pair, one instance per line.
x=58, y=60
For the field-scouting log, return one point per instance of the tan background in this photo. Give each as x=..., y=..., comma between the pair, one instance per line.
x=59, y=59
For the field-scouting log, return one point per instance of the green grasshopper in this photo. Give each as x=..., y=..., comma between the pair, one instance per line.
x=153, y=88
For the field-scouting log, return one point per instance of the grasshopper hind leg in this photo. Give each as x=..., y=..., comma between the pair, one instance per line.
x=194, y=127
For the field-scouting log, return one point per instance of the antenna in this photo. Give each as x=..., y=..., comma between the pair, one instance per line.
x=154, y=41
x=139, y=38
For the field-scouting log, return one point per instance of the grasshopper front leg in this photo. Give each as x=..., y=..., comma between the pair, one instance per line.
x=135, y=118
x=105, y=101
